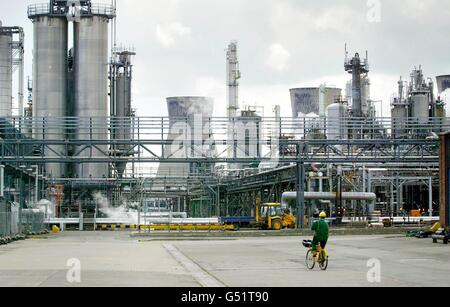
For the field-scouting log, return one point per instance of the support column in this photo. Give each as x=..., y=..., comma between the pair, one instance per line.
x=218, y=200
x=392, y=201
x=430, y=197
x=444, y=179
x=36, y=186
x=300, y=194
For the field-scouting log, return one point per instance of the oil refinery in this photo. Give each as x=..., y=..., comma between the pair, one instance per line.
x=76, y=156
x=79, y=137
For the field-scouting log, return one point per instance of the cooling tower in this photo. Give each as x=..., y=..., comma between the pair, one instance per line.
x=443, y=83
x=189, y=121
x=313, y=100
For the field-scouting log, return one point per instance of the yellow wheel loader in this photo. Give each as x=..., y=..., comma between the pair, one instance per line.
x=271, y=216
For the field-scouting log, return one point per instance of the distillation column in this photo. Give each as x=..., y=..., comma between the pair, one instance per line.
x=358, y=69
x=121, y=73
x=233, y=76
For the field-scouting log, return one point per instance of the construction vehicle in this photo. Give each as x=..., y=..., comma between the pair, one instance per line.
x=268, y=216
x=272, y=216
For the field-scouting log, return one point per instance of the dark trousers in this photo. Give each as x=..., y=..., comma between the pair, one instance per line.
x=315, y=242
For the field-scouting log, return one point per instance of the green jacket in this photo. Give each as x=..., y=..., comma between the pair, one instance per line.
x=321, y=229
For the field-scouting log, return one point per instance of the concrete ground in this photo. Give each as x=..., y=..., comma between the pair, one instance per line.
x=116, y=259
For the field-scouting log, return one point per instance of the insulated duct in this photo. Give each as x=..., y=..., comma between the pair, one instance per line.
x=287, y=196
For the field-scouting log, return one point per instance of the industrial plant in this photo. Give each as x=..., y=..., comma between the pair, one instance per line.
x=77, y=157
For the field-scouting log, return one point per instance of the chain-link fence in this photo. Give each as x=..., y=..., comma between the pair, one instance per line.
x=9, y=220
x=14, y=222
x=32, y=221
x=9, y=224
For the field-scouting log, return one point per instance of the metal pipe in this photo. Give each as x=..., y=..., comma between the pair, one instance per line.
x=300, y=194
x=430, y=196
x=287, y=196
x=2, y=181
x=36, y=185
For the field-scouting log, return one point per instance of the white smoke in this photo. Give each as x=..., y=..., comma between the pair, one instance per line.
x=279, y=57
x=122, y=213
x=47, y=207
x=127, y=213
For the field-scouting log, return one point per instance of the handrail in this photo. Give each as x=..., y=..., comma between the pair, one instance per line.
x=99, y=9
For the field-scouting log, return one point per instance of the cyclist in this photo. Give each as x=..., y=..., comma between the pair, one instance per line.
x=321, y=232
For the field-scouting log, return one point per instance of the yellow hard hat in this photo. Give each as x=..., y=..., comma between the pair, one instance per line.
x=322, y=215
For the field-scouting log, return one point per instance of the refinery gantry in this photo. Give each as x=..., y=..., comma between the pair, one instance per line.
x=79, y=137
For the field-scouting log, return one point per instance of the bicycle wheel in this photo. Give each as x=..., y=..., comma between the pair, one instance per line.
x=310, y=263
x=323, y=264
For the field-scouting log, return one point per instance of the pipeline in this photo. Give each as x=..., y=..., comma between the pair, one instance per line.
x=370, y=197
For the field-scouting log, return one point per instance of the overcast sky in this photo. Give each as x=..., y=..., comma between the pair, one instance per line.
x=181, y=45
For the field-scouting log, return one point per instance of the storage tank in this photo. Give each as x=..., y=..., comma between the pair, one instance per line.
x=91, y=90
x=187, y=116
x=420, y=109
x=365, y=96
x=50, y=85
x=249, y=133
x=5, y=74
x=313, y=100
x=399, y=115
x=337, y=122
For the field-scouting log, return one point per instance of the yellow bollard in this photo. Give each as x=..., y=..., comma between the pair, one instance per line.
x=55, y=229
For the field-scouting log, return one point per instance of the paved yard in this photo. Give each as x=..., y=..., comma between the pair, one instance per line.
x=116, y=259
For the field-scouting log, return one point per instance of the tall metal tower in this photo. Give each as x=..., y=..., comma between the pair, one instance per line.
x=11, y=59
x=74, y=85
x=233, y=76
x=121, y=75
x=359, y=69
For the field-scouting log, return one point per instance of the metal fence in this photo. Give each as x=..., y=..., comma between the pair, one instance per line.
x=14, y=222
x=32, y=220
x=9, y=224
x=42, y=9
x=9, y=220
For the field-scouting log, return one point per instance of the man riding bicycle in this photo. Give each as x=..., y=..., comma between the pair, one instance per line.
x=321, y=230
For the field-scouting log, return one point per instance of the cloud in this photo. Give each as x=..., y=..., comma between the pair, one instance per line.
x=167, y=35
x=278, y=57
x=286, y=43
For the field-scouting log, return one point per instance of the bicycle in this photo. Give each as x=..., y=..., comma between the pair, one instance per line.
x=320, y=256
